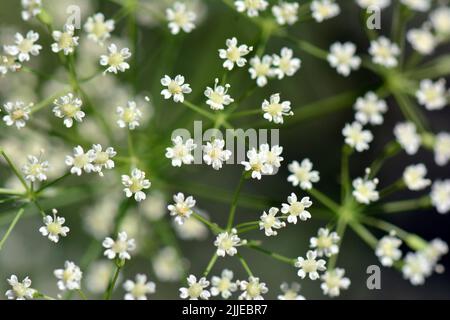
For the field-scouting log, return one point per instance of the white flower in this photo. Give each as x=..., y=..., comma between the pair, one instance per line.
x=226, y=243
x=285, y=64
x=326, y=243
x=296, y=209
x=223, y=285
x=261, y=69
x=80, y=161
x=18, y=113
x=286, y=12
x=432, y=95
x=388, y=251
x=30, y=8
x=252, y=289
x=440, y=19
x=24, y=46
x=442, y=148
x=370, y=109
x=342, y=57
x=435, y=249
x=416, y=268
x=302, y=174
x=180, y=153
x=333, y=282
x=180, y=18
x=356, y=137
x=196, y=290
x=270, y=221
x=214, y=154
x=120, y=247
x=8, y=63
x=192, y=229
x=384, y=52
x=414, y=177
x=54, y=228
x=275, y=109
x=167, y=264
x=69, y=278
x=290, y=292
x=139, y=289
x=115, y=60
x=234, y=54
x=253, y=7
x=440, y=196
x=129, y=116
x=65, y=40
x=407, y=136
x=217, y=96
x=98, y=29
x=422, y=40
x=68, y=108
x=20, y=290
x=36, y=168
x=272, y=155
x=134, y=184
x=257, y=164
x=364, y=190
x=324, y=9
x=417, y=5
x=175, y=87
x=102, y=158
x=366, y=4
x=182, y=208
x=310, y=266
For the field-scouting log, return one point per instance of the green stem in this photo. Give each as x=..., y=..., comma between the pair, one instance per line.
x=199, y=110
x=235, y=201
x=11, y=227
x=345, y=176
x=15, y=170
x=327, y=202
x=274, y=255
x=404, y=205
x=364, y=234
x=52, y=183
x=212, y=226
x=211, y=264
x=11, y=192
x=390, y=150
x=245, y=265
x=112, y=283
x=82, y=295
x=340, y=230
x=396, y=186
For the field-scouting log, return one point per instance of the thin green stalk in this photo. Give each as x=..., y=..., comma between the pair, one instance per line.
x=211, y=264
x=345, y=175
x=364, y=234
x=390, y=150
x=396, y=186
x=245, y=265
x=340, y=230
x=234, y=202
x=11, y=227
x=52, y=183
x=113, y=281
x=247, y=229
x=403, y=205
x=274, y=255
x=323, y=199
x=199, y=110
x=11, y=192
x=15, y=170
x=212, y=226
x=82, y=295
x=385, y=226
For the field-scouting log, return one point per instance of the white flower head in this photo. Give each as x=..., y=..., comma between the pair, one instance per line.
x=214, y=154
x=274, y=109
x=285, y=64
x=432, y=95
x=115, y=59
x=102, y=159
x=217, y=96
x=342, y=57
x=414, y=177
x=65, y=40
x=68, y=108
x=138, y=289
x=226, y=243
x=35, y=169
x=223, y=285
x=18, y=113
x=176, y=88
x=182, y=208
x=440, y=196
x=326, y=243
x=366, y=4
x=30, y=8
x=417, y=5
x=310, y=266
x=365, y=189
x=196, y=289
x=252, y=289
x=80, y=161
x=24, y=46
x=302, y=174
x=257, y=164
x=333, y=282
x=286, y=12
x=416, y=268
x=388, y=250
x=234, y=54
x=180, y=18
x=290, y=292
x=407, y=136
x=168, y=265
x=442, y=148
x=54, y=227
x=261, y=69
x=422, y=40
x=129, y=116
x=69, y=278
x=134, y=184
x=384, y=52
x=296, y=209
x=20, y=290
x=99, y=29
x=119, y=248
x=324, y=9
x=435, y=249
x=356, y=137
x=269, y=222
x=272, y=155
x=370, y=109
x=440, y=20
x=8, y=63
x=252, y=7
x=181, y=152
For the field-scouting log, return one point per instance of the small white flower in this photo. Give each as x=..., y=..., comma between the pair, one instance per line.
x=102, y=159
x=8, y=63
x=440, y=19
x=310, y=266
x=20, y=290
x=18, y=113
x=80, y=161
x=442, y=148
x=30, y=8
x=54, y=228
x=388, y=250
x=364, y=190
x=69, y=278
x=290, y=292
x=234, y=54
x=119, y=248
x=181, y=152
x=407, y=136
x=302, y=174
x=217, y=96
x=129, y=116
x=333, y=282
x=356, y=137
x=252, y=7
x=435, y=249
x=134, y=184
x=182, y=208
x=370, y=109
x=99, y=29
x=223, y=285
x=416, y=268
x=180, y=18
x=286, y=12
x=366, y=4
x=414, y=177
x=257, y=164
x=252, y=289
x=214, y=154
x=324, y=9
x=36, y=168
x=65, y=40
x=274, y=109
x=261, y=69
x=342, y=57
x=272, y=155
x=384, y=52
x=285, y=64
x=296, y=209
x=176, y=88
x=270, y=221
x=24, y=46
x=68, y=108
x=432, y=95
x=422, y=40
x=440, y=196
x=168, y=265
x=192, y=229
x=115, y=60
x=196, y=289
x=326, y=243
x=139, y=289
x=417, y=5
x=226, y=243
